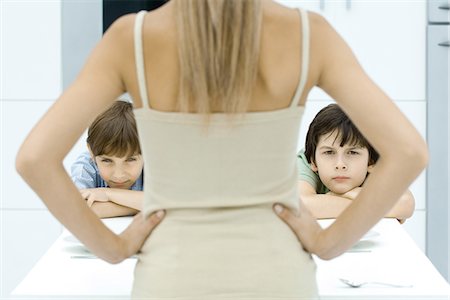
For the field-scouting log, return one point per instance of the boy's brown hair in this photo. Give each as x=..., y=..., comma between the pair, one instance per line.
x=114, y=132
x=328, y=120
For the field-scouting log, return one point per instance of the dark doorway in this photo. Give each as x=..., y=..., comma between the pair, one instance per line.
x=113, y=9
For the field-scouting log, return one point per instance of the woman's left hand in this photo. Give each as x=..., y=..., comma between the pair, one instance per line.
x=135, y=235
x=303, y=224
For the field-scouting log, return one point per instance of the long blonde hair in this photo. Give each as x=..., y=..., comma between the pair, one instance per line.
x=218, y=53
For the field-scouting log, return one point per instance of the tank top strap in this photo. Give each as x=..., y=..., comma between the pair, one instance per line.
x=305, y=57
x=139, y=57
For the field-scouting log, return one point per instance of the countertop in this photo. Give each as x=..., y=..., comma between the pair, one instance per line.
x=386, y=253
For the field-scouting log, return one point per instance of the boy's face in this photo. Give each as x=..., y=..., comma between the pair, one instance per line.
x=340, y=168
x=120, y=172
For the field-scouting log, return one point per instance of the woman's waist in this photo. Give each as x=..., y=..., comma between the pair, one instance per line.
x=235, y=226
x=250, y=249
x=218, y=206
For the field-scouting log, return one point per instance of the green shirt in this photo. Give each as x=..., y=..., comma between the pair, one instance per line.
x=305, y=173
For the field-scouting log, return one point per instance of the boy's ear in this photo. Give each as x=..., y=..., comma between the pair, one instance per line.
x=314, y=167
x=370, y=168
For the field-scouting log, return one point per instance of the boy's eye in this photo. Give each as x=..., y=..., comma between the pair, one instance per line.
x=105, y=160
x=131, y=159
x=328, y=152
x=353, y=152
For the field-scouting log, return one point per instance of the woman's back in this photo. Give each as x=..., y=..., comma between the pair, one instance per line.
x=279, y=63
x=229, y=162
x=199, y=150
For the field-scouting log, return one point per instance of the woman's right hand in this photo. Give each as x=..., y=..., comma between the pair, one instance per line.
x=134, y=236
x=303, y=224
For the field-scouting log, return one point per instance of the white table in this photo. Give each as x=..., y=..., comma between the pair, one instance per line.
x=68, y=271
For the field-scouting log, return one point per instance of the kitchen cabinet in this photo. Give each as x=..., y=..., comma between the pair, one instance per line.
x=438, y=12
x=387, y=37
x=438, y=96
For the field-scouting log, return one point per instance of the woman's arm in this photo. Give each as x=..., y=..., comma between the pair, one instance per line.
x=43, y=151
x=403, y=152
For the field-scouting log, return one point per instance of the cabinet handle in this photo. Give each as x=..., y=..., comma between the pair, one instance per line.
x=445, y=7
x=349, y=4
x=445, y=44
x=322, y=4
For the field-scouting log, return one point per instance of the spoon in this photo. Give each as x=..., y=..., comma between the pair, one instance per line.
x=357, y=284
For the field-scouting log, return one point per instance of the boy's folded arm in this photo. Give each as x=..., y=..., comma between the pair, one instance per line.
x=325, y=206
x=322, y=206
x=111, y=209
x=129, y=198
x=404, y=208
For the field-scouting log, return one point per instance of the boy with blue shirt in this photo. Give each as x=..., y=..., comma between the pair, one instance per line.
x=334, y=165
x=110, y=174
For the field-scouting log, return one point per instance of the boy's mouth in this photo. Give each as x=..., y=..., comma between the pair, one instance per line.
x=341, y=178
x=119, y=183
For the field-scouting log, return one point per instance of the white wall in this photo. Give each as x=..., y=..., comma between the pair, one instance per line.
x=30, y=81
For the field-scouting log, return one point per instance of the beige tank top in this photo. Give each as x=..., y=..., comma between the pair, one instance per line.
x=250, y=161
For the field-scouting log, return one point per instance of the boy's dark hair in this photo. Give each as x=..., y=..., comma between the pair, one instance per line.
x=328, y=120
x=114, y=131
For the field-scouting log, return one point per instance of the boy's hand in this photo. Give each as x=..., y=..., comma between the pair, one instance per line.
x=96, y=194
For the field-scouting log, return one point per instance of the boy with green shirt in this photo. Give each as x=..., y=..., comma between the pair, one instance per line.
x=334, y=165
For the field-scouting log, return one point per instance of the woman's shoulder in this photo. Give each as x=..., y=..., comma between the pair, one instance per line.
x=317, y=19
x=321, y=29
x=126, y=23
x=157, y=24
x=155, y=29
x=120, y=33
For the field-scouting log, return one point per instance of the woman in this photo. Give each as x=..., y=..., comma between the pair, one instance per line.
x=219, y=88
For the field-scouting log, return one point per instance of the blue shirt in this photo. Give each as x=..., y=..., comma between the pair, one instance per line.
x=85, y=174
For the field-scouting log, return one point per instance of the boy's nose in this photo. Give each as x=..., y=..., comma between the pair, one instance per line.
x=340, y=164
x=341, y=167
x=119, y=174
